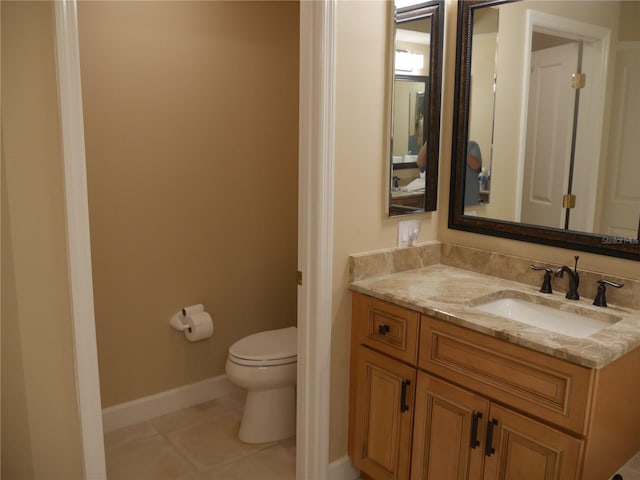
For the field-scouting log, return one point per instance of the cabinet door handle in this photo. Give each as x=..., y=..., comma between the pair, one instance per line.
x=383, y=329
x=403, y=397
x=474, y=429
x=488, y=448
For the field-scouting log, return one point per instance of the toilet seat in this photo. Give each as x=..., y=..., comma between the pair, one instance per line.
x=270, y=348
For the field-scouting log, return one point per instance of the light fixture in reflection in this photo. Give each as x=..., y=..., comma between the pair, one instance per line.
x=408, y=62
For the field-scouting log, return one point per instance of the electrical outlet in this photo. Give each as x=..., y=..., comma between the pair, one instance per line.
x=408, y=231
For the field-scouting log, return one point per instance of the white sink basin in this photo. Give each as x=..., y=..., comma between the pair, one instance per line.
x=572, y=324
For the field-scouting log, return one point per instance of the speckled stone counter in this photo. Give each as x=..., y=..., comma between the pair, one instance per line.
x=451, y=294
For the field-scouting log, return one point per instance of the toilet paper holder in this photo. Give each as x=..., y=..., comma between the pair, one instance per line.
x=177, y=320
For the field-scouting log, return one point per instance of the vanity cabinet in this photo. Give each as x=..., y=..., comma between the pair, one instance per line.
x=433, y=400
x=384, y=424
x=383, y=380
x=545, y=387
x=460, y=435
x=449, y=423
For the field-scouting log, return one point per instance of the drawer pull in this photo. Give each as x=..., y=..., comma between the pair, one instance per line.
x=474, y=429
x=488, y=448
x=383, y=329
x=403, y=397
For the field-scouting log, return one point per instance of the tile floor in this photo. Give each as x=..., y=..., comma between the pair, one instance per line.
x=196, y=443
x=201, y=443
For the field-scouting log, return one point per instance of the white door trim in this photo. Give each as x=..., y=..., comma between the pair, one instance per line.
x=315, y=234
x=78, y=243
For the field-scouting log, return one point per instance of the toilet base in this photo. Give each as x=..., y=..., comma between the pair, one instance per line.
x=269, y=415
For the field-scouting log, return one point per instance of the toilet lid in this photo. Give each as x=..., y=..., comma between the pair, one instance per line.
x=272, y=346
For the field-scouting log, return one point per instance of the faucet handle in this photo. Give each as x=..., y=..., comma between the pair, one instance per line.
x=610, y=283
x=546, y=282
x=601, y=299
x=546, y=269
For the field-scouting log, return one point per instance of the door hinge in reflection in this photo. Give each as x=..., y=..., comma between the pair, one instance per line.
x=568, y=201
x=299, y=277
x=578, y=80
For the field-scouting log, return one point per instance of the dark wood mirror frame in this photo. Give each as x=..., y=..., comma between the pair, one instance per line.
x=594, y=243
x=435, y=11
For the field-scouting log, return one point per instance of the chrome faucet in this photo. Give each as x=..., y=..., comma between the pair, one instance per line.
x=574, y=279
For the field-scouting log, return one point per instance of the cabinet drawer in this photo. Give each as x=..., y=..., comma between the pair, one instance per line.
x=386, y=327
x=541, y=385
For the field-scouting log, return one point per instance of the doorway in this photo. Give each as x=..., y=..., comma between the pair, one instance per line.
x=318, y=38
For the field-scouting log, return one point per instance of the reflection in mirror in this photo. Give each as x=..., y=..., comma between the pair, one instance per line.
x=483, y=81
x=410, y=97
x=415, y=123
x=548, y=107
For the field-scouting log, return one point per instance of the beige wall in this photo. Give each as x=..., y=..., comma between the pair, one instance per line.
x=191, y=124
x=629, y=18
x=483, y=69
x=40, y=425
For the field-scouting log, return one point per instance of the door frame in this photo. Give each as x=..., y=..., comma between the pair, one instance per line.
x=315, y=235
x=600, y=40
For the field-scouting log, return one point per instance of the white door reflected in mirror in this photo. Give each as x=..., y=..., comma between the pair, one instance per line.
x=558, y=153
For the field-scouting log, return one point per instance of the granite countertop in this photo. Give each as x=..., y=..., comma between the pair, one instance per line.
x=450, y=294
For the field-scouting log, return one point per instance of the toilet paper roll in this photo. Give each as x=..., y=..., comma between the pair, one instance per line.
x=176, y=321
x=199, y=326
x=197, y=308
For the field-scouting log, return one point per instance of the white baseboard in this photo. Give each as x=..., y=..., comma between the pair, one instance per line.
x=146, y=408
x=343, y=469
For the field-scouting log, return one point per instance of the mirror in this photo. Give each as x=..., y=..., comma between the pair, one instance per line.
x=545, y=131
x=415, y=110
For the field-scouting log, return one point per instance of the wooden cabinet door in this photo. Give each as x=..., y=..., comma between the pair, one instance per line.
x=528, y=450
x=383, y=416
x=448, y=433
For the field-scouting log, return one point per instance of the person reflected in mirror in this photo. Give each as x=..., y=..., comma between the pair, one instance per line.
x=418, y=183
x=471, y=177
x=416, y=139
x=422, y=159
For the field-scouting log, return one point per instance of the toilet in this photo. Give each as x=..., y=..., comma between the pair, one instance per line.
x=265, y=364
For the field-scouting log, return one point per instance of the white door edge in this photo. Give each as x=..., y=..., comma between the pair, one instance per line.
x=315, y=234
x=78, y=243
